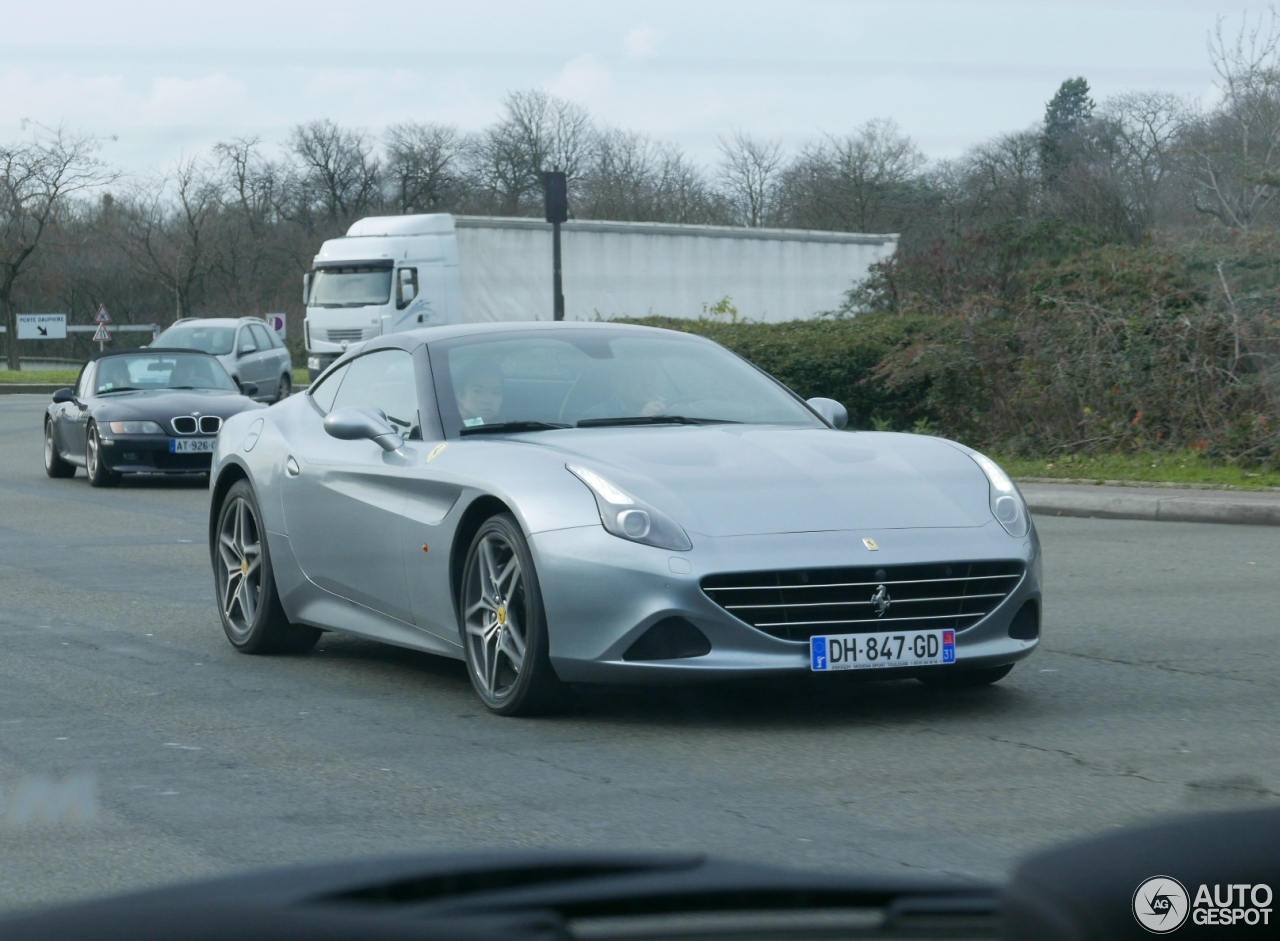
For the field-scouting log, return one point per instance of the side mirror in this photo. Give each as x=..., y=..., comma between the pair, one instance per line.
x=64, y=395
x=306, y=288
x=357, y=422
x=835, y=413
x=249, y=388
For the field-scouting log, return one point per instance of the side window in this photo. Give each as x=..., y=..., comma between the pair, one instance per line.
x=84, y=388
x=384, y=379
x=406, y=287
x=326, y=391
x=260, y=338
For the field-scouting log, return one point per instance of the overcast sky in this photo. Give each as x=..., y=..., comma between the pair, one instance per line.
x=168, y=79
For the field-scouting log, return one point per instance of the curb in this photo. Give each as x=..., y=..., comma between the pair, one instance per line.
x=1248, y=508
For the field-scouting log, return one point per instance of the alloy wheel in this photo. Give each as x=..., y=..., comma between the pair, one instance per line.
x=494, y=618
x=239, y=565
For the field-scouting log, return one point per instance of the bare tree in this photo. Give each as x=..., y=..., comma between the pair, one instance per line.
x=749, y=176
x=1145, y=128
x=339, y=172
x=37, y=179
x=424, y=165
x=859, y=183
x=537, y=132
x=166, y=230
x=1236, y=147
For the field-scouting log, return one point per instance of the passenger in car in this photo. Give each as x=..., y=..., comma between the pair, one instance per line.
x=480, y=398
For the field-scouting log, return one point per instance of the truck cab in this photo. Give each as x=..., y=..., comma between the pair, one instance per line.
x=387, y=274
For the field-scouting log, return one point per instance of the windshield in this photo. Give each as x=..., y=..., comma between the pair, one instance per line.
x=594, y=377
x=161, y=371
x=355, y=286
x=216, y=340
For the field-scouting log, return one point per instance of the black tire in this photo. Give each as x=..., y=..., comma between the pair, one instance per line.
x=54, y=465
x=285, y=389
x=249, y=607
x=94, y=467
x=495, y=609
x=960, y=678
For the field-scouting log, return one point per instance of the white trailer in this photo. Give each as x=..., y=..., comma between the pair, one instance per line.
x=392, y=273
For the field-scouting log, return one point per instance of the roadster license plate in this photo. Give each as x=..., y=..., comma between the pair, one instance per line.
x=878, y=651
x=191, y=445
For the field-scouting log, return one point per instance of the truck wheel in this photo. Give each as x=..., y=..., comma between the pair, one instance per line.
x=248, y=603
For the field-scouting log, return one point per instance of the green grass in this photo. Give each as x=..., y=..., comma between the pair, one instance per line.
x=1185, y=467
x=301, y=377
x=64, y=376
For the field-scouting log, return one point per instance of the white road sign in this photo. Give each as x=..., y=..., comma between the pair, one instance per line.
x=102, y=334
x=102, y=316
x=278, y=324
x=42, y=326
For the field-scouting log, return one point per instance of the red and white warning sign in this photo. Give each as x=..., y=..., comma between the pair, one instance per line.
x=102, y=334
x=102, y=317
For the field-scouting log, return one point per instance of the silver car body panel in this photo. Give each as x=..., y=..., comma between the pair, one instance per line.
x=366, y=541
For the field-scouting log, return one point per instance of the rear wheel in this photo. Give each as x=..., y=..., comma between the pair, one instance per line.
x=960, y=678
x=504, y=626
x=54, y=465
x=286, y=387
x=248, y=603
x=94, y=467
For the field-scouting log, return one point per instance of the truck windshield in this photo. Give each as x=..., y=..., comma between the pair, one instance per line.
x=350, y=287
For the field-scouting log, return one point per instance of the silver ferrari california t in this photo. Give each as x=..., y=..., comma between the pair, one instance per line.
x=560, y=503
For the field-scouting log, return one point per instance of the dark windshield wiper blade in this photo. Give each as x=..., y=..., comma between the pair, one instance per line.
x=654, y=420
x=121, y=389
x=507, y=427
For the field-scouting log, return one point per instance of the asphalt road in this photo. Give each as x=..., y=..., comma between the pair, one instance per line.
x=1154, y=692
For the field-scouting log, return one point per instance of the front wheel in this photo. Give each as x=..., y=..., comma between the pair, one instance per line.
x=54, y=465
x=97, y=471
x=248, y=603
x=504, y=626
x=960, y=678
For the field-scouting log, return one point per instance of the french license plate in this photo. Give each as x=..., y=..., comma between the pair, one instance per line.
x=192, y=445
x=878, y=651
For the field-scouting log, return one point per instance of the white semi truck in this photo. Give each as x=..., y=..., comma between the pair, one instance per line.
x=394, y=273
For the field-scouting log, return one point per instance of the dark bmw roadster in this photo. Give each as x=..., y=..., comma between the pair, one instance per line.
x=150, y=411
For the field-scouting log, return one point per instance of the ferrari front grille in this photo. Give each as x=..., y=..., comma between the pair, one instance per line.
x=210, y=424
x=185, y=425
x=799, y=603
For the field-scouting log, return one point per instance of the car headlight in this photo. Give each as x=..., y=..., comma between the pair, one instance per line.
x=1006, y=503
x=313, y=362
x=136, y=428
x=628, y=517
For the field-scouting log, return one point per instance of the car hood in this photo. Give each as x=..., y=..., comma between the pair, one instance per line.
x=153, y=403
x=738, y=480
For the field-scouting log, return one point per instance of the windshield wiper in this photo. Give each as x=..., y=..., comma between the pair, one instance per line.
x=121, y=389
x=654, y=420
x=507, y=427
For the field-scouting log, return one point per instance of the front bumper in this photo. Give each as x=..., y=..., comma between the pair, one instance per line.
x=602, y=593
x=150, y=454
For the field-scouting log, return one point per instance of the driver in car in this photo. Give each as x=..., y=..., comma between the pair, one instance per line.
x=480, y=399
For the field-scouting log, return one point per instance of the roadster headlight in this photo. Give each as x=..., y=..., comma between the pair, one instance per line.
x=136, y=428
x=630, y=518
x=1006, y=503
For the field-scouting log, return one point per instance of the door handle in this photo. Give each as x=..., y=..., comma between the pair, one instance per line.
x=291, y=467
